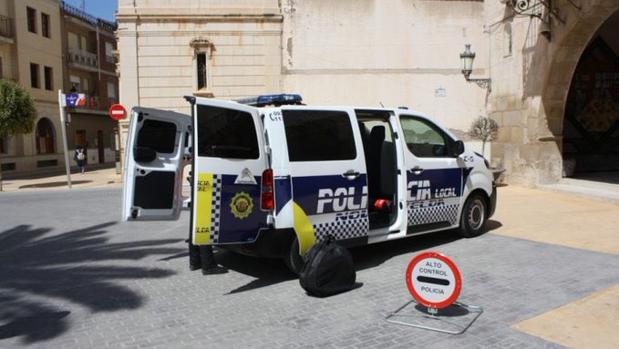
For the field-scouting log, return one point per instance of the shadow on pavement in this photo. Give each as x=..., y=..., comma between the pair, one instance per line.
x=492, y=225
x=272, y=271
x=376, y=254
x=453, y=310
x=266, y=271
x=72, y=267
x=52, y=184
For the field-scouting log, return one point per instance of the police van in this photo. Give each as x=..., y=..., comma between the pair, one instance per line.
x=271, y=176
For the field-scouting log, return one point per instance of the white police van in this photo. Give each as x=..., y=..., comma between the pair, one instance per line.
x=271, y=178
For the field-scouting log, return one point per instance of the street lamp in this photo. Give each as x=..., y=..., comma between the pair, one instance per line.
x=467, y=58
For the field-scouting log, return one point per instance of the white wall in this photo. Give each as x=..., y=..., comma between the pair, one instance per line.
x=394, y=52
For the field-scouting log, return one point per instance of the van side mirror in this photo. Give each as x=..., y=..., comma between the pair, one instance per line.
x=457, y=149
x=144, y=154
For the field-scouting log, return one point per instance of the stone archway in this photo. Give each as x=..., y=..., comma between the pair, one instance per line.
x=568, y=48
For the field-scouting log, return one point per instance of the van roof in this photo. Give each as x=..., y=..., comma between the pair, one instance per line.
x=275, y=99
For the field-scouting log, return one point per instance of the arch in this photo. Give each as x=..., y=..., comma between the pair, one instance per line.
x=565, y=60
x=45, y=137
x=568, y=50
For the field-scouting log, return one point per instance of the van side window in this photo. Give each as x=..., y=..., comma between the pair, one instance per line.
x=316, y=135
x=226, y=133
x=424, y=139
x=159, y=136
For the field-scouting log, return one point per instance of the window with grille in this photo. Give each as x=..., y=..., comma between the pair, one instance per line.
x=45, y=30
x=31, y=15
x=49, y=79
x=201, y=70
x=34, y=76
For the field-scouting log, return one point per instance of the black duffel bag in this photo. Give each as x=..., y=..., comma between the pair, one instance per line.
x=328, y=270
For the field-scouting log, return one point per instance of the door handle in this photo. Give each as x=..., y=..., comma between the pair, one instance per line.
x=351, y=174
x=417, y=170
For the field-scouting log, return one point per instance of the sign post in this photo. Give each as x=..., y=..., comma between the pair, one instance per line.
x=63, y=127
x=117, y=112
x=435, y=282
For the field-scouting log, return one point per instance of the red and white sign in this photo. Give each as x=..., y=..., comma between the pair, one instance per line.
x=433, y=280
x=117, y=112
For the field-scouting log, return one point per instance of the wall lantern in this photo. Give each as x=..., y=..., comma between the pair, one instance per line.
x=467, y=58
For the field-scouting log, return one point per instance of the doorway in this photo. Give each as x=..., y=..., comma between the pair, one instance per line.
x=591, y=124
x=381, y=163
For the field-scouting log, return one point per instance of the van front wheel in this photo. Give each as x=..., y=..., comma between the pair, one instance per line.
x=293, y=259
x=474, y=216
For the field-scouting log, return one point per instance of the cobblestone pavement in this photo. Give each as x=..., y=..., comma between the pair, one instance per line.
x=73, y=276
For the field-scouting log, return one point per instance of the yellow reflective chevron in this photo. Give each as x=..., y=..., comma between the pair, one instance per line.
x=203, y=202
x=303, y=228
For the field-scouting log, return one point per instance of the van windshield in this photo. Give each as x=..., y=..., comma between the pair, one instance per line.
x=226, y=133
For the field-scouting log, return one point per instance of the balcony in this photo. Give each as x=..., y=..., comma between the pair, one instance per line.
x=83, y=59
x=6, y=28
x=95, y=103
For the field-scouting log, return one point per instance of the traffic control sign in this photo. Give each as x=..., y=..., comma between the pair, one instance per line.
x=433, y=280
x=117, y=112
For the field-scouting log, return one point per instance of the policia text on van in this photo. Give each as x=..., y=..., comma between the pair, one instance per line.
x=270, y=181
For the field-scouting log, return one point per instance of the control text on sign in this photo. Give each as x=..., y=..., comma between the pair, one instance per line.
x=433, y=280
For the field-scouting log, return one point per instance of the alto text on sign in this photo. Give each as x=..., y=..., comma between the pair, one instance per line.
x=433, y=280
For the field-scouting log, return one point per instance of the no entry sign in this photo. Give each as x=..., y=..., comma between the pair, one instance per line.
x=433, y=280
x=117, y=112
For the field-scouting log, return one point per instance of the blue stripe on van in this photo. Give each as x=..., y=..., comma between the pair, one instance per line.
x=283, y=192
x=306, y=190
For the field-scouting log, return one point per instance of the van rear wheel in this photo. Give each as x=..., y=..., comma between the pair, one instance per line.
x=474, y=216
x=293, y=259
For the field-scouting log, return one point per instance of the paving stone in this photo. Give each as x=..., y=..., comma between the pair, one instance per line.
x=73, y=276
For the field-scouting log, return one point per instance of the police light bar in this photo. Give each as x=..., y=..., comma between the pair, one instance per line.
x=279, y=99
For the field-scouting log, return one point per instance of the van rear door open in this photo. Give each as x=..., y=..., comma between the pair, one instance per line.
x=228, y=163
x=155, y=157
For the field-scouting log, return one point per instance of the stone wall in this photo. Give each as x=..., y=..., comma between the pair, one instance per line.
x=530, y=88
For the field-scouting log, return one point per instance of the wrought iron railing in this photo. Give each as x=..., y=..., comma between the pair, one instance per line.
x=94, y=102
x=82, y=57
x=92, y=20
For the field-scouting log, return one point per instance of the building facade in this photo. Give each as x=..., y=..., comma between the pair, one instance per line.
x=31, y=55
x=46, y=46
x=366, y=53
x=89, y=45
x=393, y=53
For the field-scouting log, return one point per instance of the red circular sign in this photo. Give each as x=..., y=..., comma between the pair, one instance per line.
x=433, y=280
x=117, y=112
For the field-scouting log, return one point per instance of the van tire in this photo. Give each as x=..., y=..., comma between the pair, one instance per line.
x=474, y=216
x=293, y=260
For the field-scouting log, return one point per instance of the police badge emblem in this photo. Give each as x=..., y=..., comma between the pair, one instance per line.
x=241, y=205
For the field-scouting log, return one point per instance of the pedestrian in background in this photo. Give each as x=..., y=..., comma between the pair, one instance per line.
x=80, y=158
